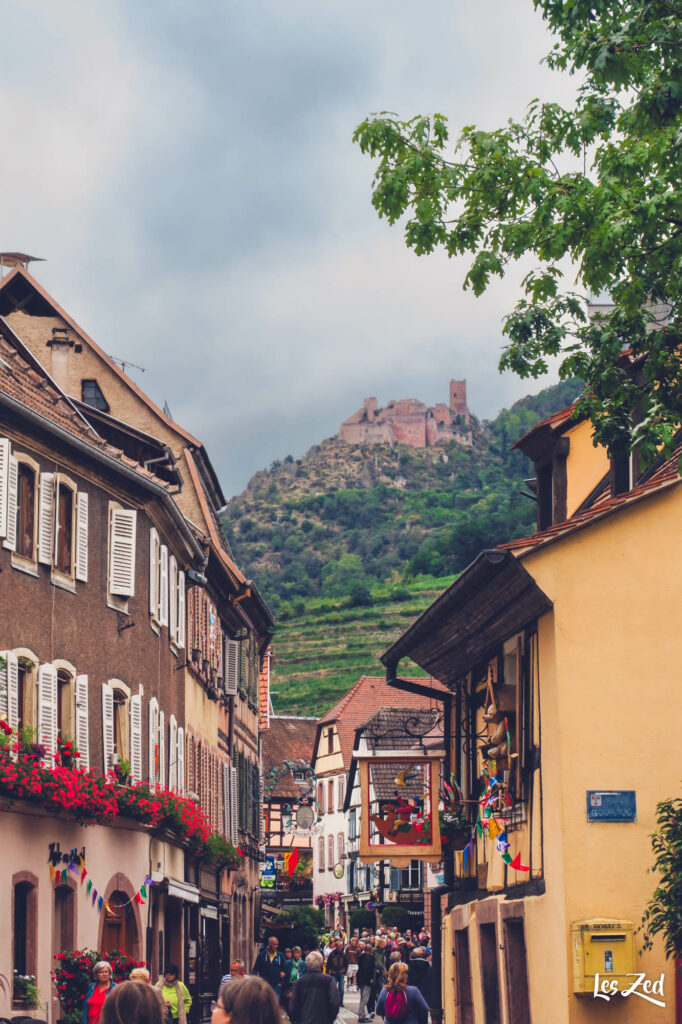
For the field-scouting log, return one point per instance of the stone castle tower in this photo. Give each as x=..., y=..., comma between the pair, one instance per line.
x=411, y=422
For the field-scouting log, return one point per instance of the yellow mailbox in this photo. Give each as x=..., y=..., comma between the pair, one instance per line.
x=604, y=947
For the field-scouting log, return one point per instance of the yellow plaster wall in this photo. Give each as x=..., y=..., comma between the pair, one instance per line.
x=610, y=701
x=585, y=465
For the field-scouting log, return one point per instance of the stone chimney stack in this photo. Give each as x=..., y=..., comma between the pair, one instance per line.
x=61, y=346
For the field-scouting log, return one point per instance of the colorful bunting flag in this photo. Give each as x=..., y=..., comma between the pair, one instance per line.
x=517, y=865
x=100, y=903
x=502, y=843
x=89, y=886
x=506, y=857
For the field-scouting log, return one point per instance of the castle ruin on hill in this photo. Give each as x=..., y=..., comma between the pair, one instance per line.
x=411, y=422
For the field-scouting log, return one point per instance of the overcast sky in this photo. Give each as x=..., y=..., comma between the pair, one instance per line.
x=186, y=167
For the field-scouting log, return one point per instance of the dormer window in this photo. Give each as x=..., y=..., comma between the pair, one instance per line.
x=91, y=394
x=552, y=485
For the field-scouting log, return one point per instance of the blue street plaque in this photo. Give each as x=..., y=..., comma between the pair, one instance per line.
x=611, y=805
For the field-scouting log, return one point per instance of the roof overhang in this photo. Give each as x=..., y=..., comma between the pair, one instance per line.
x=493, y=598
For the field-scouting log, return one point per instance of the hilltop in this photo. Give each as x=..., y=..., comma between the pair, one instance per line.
x=350, y=514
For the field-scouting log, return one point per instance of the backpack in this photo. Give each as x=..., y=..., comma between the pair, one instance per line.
x=396, y=1006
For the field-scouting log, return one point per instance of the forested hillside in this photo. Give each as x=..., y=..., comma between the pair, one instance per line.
x=344, y=518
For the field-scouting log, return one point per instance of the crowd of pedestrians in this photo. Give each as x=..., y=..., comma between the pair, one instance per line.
x=390, y=970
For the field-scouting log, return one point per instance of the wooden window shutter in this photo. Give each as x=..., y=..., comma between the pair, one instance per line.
x=227, y=830
x=9, y=689
x=107, y=725
x=12, y=485
x=231, y=665
x=162, y=750
x=180, y=632
x=153, y=738
x=5, y=455
x=46, y=506
x=82, y=537
x=47, y=710
x=173, y=753
x=242, y=665
x=136, y=737
x=181, y=759
x=153, y=573
x=163, y=586
x=173, y=600
x=234, y=799
x=122, y=552
x=82, y=735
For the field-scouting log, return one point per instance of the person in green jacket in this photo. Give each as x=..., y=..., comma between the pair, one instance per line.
x=174, y=994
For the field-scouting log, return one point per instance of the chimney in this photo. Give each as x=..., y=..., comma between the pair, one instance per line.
x=61, y=346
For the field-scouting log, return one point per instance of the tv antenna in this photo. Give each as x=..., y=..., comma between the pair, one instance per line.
x=126, y=362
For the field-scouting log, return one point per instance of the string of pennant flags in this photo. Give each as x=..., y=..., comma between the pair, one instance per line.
x=490, y=803
x=77, y=866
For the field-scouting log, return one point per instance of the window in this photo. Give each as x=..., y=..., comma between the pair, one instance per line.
x=64, y=523
x=320, y=853
x=64, y=932
x=330, y=853
x=320, y=798
x=330, y=796
x=410, y=877
x=352, y=824
x=65, y=703
x=121, y=721
x=330, y=741
x=26, y=512
x=24, y=923
x=91, y=395
x=341, y=783
x=340, y=847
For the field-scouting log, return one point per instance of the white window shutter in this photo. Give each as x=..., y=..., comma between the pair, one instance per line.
x=46, y=519
x=82, y=537
x=5, y=456
x=12, y=482
x=122, y=552
x=4, y=698
x=163, y=586
x=234, y=806
x=162, y=750
x=107, y=726
x=173, y=753
x=180, y=633
x=181, y=760
x=231, y=665
x=153, y=740
x=153, y=573
x=12, y=690
x=136, y=738
x=82, y=735
x=226, y=801
x=173, y=602
x=47, y=710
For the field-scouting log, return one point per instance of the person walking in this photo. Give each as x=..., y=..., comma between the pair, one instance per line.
x=249, y=1001
x=236, y=972
x=337, y=966
x=133, y=1002
x=175, y=995
x=315, y=998
x=365, y=980
x=419, y=973
x=351, y=952
x=270, y=966
x=97, y=993
x=400, y=1003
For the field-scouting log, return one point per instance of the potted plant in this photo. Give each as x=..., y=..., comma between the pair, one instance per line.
x=29, y=749
x=25, y=990
x=67, y=753
x=454, y=828
x=122, y=771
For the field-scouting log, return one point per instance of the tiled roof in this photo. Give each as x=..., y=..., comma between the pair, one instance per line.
x=23, y=380
x=288, y=739
x=665, y=476
x=20, y=271
x=364, y=699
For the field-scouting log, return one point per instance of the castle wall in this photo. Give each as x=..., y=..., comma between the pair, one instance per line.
x=409, y=421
